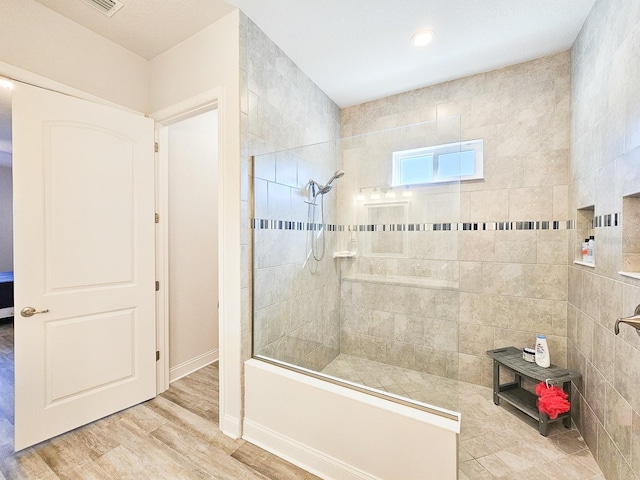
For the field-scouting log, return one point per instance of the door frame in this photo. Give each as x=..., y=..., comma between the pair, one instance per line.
x=229, y=215
x=191, y=107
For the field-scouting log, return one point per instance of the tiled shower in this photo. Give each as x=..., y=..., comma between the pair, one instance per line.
x=560, y=138
x=426, y=277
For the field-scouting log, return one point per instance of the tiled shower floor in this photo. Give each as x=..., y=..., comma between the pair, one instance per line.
x=495, y=441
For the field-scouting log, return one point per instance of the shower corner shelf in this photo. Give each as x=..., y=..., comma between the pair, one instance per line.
x=635, y=275
x=585, y=264
x=345, y=254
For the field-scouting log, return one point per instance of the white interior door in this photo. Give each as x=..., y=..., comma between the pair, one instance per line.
x=83, y=260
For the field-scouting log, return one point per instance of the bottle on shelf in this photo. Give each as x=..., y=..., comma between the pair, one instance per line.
x=590, y=249
x=585, y=249
x=542, y=352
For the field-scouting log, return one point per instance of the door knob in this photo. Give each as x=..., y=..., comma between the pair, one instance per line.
x=30, y=311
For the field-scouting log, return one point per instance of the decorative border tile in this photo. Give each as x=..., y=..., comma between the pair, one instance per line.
x=609, y=220
x=263, y=224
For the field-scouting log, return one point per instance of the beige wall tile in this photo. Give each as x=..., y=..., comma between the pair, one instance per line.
x=519, y=246
x=547, y=168
x=635, y=442
x=561, y=203
x=408, y=329
x=585, y=326
x=527, y=204
x=546, y=281
x=475, y=339
x=470, y=276
x=551, y=246
x=503, y=279
x=478, y=246
x=484, y=206
x=618, y=420
x=626, y=377
x=519, y=138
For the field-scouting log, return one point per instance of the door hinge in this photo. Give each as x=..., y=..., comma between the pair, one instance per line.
x=157, y=218
x=156, y=147
x=157, y=285
x=157, y=355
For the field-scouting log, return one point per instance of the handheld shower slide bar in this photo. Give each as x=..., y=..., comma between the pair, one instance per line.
x=318, y=189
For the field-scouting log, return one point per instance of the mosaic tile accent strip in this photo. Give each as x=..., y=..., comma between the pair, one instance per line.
x=263, y=224
x=600, y=221
x=609, y=220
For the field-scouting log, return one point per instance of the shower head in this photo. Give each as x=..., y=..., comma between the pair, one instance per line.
x=322, y=189
x=336, y=175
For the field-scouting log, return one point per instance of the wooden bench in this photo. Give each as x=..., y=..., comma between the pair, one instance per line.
x=524, y=400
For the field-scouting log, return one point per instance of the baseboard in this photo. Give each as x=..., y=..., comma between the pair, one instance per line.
x=6, y=312
x=230, y=426
x=309, y=459
x=190, y=366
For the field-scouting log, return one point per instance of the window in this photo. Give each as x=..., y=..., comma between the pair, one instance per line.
x=438, y=164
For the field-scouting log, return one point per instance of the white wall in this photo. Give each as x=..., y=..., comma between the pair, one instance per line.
x=193, y=243
x=210, y=59
x=37, y=39
x=340, y=434
x=6, y=220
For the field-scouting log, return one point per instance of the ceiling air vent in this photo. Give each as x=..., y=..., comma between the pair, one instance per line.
x=108, y=7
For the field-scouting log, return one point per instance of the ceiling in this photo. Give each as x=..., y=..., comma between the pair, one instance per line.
x=145, y=27
x=354, y=50
x=360, y=50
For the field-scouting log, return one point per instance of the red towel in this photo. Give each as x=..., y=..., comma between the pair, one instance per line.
x=552, y=400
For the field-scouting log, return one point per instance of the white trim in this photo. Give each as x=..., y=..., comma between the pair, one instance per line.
x=14, y=73
x=231, y=424
x=6, y=312
x=230, y=397
x=229, y=261
x=188, y=108
x=307, y=458
x=162, y=258
x=190, y=366
x=191, y=107
x=338, y=432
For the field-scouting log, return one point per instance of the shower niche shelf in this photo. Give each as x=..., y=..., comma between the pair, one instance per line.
x=584, y=264
x=345, y=254
x=631, y=236
x=584, y=229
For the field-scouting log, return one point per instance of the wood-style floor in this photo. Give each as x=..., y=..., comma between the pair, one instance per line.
x=174, y=436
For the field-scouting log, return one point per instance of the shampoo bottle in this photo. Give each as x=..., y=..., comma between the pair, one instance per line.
x=542, y=352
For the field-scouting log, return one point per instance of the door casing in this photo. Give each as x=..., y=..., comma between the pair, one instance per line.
x=189, y=108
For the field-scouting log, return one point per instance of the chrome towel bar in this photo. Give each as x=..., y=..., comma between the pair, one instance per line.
x=633, y=320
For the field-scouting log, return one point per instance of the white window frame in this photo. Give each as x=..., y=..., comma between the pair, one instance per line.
x=475, y=145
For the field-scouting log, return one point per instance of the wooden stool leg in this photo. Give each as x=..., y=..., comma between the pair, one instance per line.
x=566, y=386
x=496, y=382
x=543, y=424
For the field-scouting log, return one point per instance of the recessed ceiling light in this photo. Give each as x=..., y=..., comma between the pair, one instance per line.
x=422, y=38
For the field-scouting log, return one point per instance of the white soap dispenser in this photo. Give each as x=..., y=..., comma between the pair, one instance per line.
x=542, y=352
